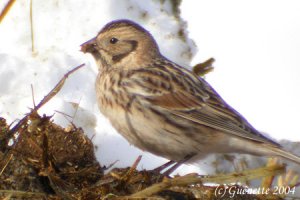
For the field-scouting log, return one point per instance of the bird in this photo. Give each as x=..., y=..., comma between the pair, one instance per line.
x=164, y=108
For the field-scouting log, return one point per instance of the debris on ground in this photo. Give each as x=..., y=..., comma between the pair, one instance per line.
x=41, y=160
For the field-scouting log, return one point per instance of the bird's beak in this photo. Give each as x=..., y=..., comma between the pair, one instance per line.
x=89, y=46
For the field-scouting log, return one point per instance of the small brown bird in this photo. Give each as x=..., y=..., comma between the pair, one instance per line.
x=162, y=107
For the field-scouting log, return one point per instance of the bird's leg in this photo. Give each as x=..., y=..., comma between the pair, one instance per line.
x=164, y=166
x=177, y=164
x=173, y=168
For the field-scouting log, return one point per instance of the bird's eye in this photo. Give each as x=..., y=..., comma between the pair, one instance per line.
x=113, y=40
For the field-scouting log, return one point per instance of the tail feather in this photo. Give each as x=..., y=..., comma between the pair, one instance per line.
x=285, y=154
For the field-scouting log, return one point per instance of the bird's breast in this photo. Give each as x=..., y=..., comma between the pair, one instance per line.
x=112, y=99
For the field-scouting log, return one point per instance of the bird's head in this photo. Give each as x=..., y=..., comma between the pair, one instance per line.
x=122, y=43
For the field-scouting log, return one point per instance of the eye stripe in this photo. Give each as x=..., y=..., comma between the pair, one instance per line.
x=133, y=43
x=119, y=57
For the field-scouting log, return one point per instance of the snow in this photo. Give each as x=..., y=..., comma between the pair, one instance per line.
x=255, y=46
x=59, y=29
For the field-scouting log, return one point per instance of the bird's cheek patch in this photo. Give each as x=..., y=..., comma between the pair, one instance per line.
x=119, y=57
x=133, y=45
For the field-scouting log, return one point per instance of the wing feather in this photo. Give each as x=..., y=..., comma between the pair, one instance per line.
x=191, y=98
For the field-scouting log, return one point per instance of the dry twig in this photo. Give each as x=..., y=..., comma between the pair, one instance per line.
x=221, y=179
x=6, y=9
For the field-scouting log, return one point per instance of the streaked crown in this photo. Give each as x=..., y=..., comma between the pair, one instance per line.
x=122, y=43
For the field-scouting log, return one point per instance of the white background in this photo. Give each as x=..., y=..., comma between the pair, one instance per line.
x=256, y=45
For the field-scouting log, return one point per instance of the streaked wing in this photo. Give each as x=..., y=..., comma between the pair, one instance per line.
x=183, y=94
